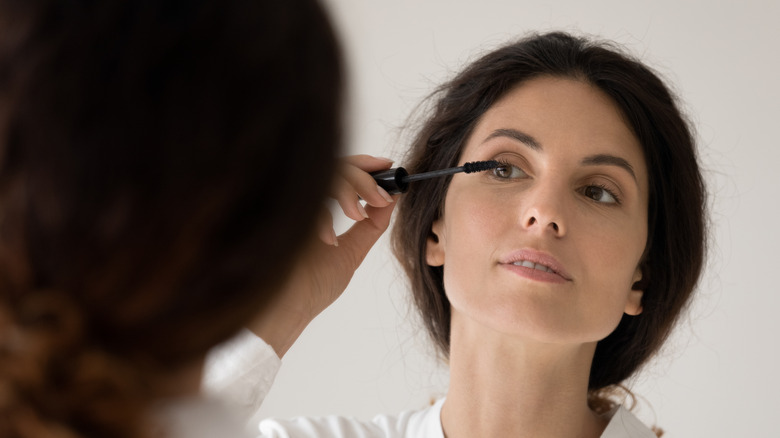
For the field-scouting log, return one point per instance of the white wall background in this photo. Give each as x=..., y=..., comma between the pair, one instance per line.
x=719, y=376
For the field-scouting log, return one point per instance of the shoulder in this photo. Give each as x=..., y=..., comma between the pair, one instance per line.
x=625, y=425
x=422, y=423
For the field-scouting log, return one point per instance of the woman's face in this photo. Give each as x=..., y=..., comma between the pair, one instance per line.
x=548, y=246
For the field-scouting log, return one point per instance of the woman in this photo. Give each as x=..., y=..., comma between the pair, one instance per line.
x=549, y=281
x=603, y=186
x=147, y=205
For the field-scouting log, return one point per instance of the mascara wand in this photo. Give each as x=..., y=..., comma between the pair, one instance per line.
x=397, y=180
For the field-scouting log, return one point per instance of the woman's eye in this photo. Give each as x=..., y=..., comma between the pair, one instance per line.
x=508, y=171
x=600, y=194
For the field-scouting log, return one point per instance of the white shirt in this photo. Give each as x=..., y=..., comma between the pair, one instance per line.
x=241, y=372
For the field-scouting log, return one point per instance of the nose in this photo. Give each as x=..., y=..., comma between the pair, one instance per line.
x=544, y=211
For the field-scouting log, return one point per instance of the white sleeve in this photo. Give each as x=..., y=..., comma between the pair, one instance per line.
x=423, y=423
x=240, y=372
x=319, y=427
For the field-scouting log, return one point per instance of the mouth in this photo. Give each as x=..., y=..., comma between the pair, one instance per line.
x=532, y=261
x=537, y=266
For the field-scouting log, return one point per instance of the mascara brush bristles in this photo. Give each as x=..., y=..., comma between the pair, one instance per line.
x=480, y=166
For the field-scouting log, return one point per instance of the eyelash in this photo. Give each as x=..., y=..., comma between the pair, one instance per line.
x=505, y=164
x=614, y=195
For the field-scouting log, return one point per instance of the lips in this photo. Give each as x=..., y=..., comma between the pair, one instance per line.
x=537, y=260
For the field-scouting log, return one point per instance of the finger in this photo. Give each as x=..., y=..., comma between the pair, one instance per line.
x=380, y=216
x=348, y=199
x=354, y=182
x=361, y=237
x=365, y=186
x=325, y=229
x=368, y=163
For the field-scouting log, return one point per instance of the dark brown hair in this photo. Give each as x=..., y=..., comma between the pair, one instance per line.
x=677, y=236
x=161, y=164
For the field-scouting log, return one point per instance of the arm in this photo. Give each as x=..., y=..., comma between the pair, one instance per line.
x=242, y=371
x=327, y=265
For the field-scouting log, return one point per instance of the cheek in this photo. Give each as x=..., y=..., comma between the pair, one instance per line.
x=619, y=241
x=617, y=257
x=472, y=226
x=619, y=249
x=472, y=220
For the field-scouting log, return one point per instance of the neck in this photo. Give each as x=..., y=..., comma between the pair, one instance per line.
x=502, y=386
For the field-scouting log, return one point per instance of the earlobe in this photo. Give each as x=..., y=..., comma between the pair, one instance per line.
x=434, y=246
x=634, y=302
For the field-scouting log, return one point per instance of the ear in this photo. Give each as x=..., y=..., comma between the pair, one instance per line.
x=634, y=303
x=434, y=248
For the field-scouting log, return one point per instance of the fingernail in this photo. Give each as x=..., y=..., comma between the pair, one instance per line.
x=362, y=210
x=335, y=237
x=389, y=160
x=384, y=194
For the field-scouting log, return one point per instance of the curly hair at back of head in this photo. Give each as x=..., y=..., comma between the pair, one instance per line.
x=147, y=206
x=676, y=244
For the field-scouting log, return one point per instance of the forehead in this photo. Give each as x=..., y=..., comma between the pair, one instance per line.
x=565, y=114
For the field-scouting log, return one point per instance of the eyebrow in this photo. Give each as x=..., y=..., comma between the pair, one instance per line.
x=611, y=160
x=591, y=160
x=522, y=137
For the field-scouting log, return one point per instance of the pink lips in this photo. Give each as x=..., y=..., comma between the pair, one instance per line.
x=535, y=265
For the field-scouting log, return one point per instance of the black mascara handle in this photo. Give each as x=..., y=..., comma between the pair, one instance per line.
x=392, y=180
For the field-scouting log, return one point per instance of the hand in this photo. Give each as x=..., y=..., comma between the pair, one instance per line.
x=326, y=267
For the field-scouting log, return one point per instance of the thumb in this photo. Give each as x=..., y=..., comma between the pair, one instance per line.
x=355, y=243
